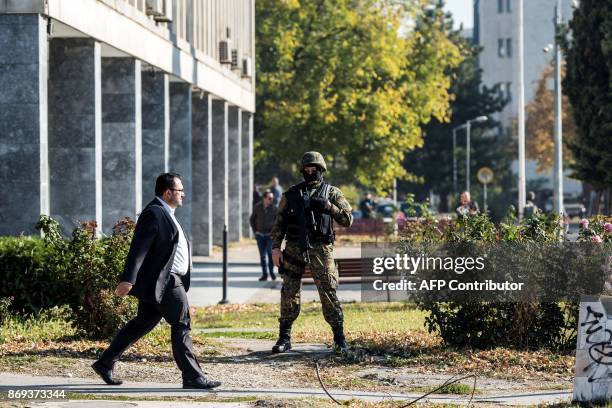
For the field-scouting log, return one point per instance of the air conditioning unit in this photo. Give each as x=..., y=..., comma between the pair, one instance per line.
x=247, y=67
x=235, y=59
x=160, y=10
x=225, y=55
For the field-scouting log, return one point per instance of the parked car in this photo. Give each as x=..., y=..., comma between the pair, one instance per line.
x=572, y=206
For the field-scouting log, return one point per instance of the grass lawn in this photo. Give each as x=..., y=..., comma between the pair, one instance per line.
x=381, y=334
x=310, y=325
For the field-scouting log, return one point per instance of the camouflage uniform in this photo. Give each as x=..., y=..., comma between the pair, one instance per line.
x=322, y=266
x=321, y=256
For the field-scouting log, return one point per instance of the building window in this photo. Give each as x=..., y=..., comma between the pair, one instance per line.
x=500, y=6
x=508, y=6
x=509, y=47
x=501, y=52
x=509, y=91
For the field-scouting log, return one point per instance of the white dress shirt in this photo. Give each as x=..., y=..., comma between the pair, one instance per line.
x=181, y=261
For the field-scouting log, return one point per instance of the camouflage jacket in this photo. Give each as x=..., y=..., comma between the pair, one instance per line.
x=340, y=211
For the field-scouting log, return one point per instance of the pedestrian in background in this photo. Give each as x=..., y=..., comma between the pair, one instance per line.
x=530, y=206
x=367, y=206
x=256, y=194
x=262, y=221
x=277, y=190
x=467, y=206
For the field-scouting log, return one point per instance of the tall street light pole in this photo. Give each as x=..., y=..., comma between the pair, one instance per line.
x=521, y=113
x=558, y=169
x=468, y=127
x=455, y=160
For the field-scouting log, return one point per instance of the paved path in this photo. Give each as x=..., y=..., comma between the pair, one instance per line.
x=243, y=272
x=246, y=251
x=148, y=389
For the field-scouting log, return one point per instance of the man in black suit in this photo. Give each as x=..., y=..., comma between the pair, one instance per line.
x=157, y=272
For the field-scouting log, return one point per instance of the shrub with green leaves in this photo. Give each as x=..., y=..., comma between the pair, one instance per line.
x=26, y=278
x=81, y=271
x=480, y=324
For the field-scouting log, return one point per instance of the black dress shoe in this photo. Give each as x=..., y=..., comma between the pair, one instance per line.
x=263, y=278
x=272, y=276
x=200, y=383
x=105, y=374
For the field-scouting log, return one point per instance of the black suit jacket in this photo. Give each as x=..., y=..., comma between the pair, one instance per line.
x=151, y=254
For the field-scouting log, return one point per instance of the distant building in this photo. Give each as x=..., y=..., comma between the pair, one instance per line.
x=97, y=97
x=495, y=29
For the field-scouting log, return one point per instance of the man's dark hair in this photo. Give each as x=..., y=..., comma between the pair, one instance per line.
x=165, y=182
x=265, y=193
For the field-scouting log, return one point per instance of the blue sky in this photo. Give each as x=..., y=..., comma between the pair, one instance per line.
x=462, y=11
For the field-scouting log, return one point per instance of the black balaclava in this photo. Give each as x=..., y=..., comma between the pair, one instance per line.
x=316, y=176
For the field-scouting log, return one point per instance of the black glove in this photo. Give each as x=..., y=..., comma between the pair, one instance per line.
x=318, y=203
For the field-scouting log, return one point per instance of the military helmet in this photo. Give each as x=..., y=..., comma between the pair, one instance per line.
x=313, y=158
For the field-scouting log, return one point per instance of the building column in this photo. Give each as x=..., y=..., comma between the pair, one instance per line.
x=23, y=122
x=234, y=198
x=201, y=205
x=121, y=140
x=179, y=160
x=219, y=168
x=75, y=131
x=247, y=172
x=155, y=129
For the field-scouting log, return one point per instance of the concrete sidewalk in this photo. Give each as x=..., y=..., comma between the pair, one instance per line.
x=10, y=381
x=244, y=287
x=243, y=274
x=246, y=251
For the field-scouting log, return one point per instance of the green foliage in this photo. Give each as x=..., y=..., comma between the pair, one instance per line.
x=588, y=85
x=480, y=324
x=351, y=79
x=598, y=229
x=80, y=272
x=24, y=277
x=46, y=325
x=351, y=193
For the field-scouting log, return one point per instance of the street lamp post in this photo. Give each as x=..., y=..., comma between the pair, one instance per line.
x=455, y=161
x=521, y=112
x=558, y=171
x=468, y=128
x=558, y=133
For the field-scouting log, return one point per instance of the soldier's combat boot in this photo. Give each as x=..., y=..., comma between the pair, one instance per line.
x=340, y=345
x=284, y=339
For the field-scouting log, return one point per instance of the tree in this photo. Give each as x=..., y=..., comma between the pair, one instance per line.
x=589, y=88
x=352, y=79
x=432, y=164
x=541, y=121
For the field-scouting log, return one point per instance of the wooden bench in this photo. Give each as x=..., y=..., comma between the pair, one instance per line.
x=363, y=226
x=349, y=271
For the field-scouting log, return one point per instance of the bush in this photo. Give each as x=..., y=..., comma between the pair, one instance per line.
x=26, y=278
x=480, y=324
x=81, y=272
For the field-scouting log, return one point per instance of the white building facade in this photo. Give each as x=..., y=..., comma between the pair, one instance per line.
x=496, y=30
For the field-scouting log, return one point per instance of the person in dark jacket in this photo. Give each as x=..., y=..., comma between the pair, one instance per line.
x=262, y=220
x=157, y=272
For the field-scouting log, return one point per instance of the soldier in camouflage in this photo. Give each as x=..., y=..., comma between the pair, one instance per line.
x=305, y=219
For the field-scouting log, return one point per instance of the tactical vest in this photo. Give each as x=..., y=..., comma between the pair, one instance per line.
x=319, y=226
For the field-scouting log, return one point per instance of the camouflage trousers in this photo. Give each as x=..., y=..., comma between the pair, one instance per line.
x=325, y=276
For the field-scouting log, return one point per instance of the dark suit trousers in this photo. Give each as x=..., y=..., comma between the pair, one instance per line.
x=174, y=308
